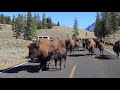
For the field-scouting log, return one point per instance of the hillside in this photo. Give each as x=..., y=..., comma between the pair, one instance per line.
x=57, y=31
x=6, y=31
x=63, y=32
x=6, y=27
x=114, y=37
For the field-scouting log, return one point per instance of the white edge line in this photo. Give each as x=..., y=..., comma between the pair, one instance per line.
x=13, y=67
x=111, y=52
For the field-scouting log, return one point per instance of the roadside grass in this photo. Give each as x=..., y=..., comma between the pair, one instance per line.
x=7, y=64
x=109, y=47
x=12, y=52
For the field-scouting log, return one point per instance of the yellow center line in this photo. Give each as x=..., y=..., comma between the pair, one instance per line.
x=72, y=71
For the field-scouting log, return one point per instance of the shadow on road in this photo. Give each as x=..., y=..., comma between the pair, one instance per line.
x=104, y=57
x=76, y=55
x=89, y=54
x=28, y=68
x=36, y=61
x=79, y=50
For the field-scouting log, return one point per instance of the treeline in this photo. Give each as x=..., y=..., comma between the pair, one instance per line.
x=106, y=23
x=26, y=26
x=5, y=19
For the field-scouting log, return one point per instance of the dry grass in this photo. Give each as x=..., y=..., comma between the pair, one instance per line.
x=114, y=37
x=7, y=64
x=109, y=47
x=6, y=32
x=12, y=52
x=6, y=27
x=6, y=35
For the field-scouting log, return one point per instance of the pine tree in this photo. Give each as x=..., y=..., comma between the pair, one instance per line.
x=49, y=23
x=105, y=21
x=58, y=24
x=75, y=30
x=31, y=27
x=115, y=20
x=97, y=26
x=39, y=23
x=44, y=22
x=110, y=22
x=25, y=27
x=8, y=20
x=13, y=23
x=3, y=21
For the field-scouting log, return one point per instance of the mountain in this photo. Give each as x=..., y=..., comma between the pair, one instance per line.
x=91, y=27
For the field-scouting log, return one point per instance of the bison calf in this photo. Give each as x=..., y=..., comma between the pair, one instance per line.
x=59, y=55
x=101, y=46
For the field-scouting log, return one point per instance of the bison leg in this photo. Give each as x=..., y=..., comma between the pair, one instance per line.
x=70, y=51
x=55, y=63
x=43, y=65
x=33, y=59
x=73, y=49
x=118, y=54
x=89, y=53
x=102, y=51
x=65, y=62
x=60, y=64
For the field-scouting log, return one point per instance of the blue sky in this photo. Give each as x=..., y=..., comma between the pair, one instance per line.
x=65, y=18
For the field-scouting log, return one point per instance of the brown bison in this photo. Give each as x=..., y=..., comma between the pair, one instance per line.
x=77, y=43
x=90, y=45
x=83, y=43
x=96, y=41
x=59, y=55
x=43, y=50
x=62, y=43
x=70, y=45
x=116, y=48
x=100, y=46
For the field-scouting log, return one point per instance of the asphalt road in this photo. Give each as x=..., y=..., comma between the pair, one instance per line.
x=78, y=65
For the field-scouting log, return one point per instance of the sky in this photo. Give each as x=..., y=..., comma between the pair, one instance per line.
x=65, y=18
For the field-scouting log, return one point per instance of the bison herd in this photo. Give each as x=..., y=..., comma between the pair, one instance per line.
x=47, y=50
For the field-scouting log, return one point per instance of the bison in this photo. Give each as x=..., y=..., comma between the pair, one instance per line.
x=83, y=43
x=100, y=46
x=90, y=45
x=59, y=55
x=77, y=43
x=43, y=50
x=70, y=45
x=116, y=48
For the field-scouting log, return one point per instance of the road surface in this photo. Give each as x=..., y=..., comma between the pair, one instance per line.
x=78, y=65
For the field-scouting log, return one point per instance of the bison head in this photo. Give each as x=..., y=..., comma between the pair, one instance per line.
x=33, y=50
x=67, y=42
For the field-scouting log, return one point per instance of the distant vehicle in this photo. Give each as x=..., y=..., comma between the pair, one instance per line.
x=51, y=38
x=46, y=37
x=34, y=39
